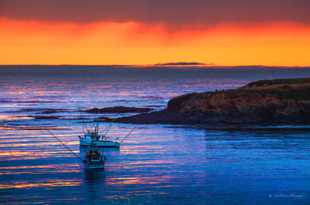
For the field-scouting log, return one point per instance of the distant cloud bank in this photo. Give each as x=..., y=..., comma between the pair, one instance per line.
x=172, y=13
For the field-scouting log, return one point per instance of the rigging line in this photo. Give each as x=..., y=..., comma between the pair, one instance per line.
x=83, y=119
x=128, y=134
x=107, y=130
x=61, y=142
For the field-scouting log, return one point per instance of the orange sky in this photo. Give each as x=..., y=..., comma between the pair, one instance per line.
x=103, y=42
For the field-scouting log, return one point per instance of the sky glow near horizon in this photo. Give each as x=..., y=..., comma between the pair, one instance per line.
x=143, y=32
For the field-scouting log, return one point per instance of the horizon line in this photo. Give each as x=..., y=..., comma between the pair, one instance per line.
x=161, y=65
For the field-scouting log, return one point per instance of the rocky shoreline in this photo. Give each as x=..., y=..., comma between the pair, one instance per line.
x=281, y=101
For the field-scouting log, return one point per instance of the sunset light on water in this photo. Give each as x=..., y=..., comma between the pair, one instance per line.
x=155, y=102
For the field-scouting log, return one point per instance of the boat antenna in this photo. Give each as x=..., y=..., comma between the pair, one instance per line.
x=63, y=144
x=127, y=135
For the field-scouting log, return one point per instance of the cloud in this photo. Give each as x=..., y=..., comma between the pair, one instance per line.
x=169, y=12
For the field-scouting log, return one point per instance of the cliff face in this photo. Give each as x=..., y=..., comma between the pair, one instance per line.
x=270, y=101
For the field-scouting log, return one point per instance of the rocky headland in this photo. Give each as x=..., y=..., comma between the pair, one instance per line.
x=263, y=102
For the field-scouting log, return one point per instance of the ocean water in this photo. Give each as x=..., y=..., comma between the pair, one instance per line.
x=156, y=164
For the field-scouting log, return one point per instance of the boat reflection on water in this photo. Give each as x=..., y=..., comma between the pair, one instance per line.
x=93, y=176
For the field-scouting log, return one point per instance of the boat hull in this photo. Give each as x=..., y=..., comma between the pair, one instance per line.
x=110, y=144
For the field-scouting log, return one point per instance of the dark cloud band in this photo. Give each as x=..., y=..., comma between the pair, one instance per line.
x=171, y=12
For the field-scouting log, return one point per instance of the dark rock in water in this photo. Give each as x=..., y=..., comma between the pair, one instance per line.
x=52, y=111
x=31, y=127
x=119, y=109
x=160, y=117
x=269, y=101
x=104, y=119
x=43, y=110
x=45, y=117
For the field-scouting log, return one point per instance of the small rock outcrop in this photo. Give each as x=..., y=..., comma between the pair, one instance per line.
x=45, y=117
x=118, y=109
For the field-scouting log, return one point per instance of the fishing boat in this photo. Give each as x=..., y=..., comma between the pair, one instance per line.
x=93, y=138
x=94, y=159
